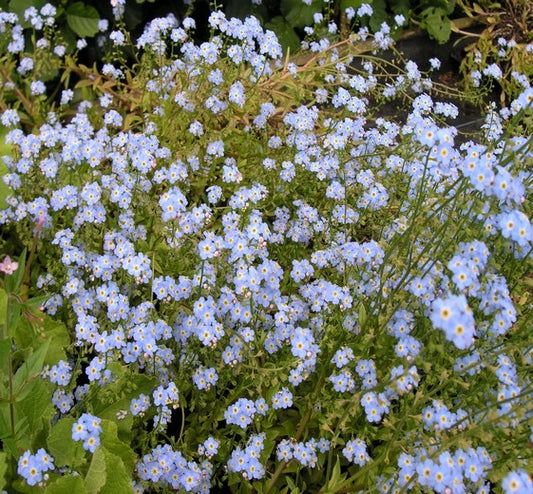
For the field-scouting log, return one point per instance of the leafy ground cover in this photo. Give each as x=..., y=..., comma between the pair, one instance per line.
x=228, y=271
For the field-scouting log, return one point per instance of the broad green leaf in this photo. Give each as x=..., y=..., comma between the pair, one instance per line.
x=118, y=479
x=37, y=407
x=401, y=7
x=62, y=447
x=69, y=484
x=298, y=14
x=13, y=319
x=83, y=19
x=19, y=6
x=26, y=389
x=241, y=10
x=107, y=474
x=437, y=24
x=55, y=332
x=97, y=475
x=379, y=15
x=51, y=331
x=109, y=439
x=36, y=302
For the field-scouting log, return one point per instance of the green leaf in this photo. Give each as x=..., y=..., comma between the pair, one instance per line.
x=3, y=469
x=361, y=315
x=68, y=484
x=437, y=24
x=57, y=334
x=83, y=19
x=5, y=349
x=401, y=7
x=13, y=319
x=241, y=10
x=19, y=6
x=124, y=389
x=120, y=480
x=3, y=313
x=31, y=367
x=298, y=14
x=62, y=447
x=107, y=474
x=52, y=332
x=96, y=476
x=37, y=407
x=109, y=439
x=355, y=4
x=5, y=428
x=285, y=33
x=379, y=15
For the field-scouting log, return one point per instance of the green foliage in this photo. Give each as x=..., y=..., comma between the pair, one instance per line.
x=436, y=22
x=20, y=6
x=82, y=19
x=384, y=211
x=66, y=484
x=28, y=341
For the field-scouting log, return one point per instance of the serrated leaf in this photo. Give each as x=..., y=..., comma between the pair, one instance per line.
x=109, y=439
x=83, y=19
x=437, y=24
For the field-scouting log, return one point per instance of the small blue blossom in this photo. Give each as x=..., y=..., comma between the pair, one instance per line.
x=87, y=429
x=282, y=399
x=37, y=87
x=31, y=467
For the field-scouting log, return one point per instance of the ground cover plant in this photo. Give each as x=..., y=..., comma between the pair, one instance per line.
x=225, y=271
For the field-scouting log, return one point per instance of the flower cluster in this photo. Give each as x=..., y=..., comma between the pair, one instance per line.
x=237, y=259
x=87, y=429
x=247, y=461
x=32, y=467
